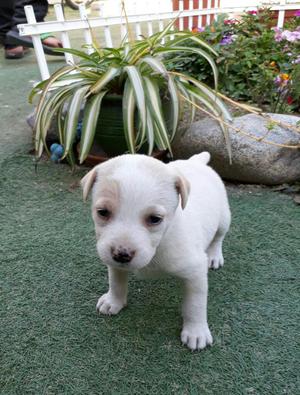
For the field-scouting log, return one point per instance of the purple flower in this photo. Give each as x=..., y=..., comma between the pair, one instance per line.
x=297, y=13
x=291, y=36
x=297, y=60
x=277, y=80
x=282, y=81
x=286, y=35
x=278, y=34
x=226, y=40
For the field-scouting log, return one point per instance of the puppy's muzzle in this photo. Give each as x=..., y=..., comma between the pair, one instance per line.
x=122, y=254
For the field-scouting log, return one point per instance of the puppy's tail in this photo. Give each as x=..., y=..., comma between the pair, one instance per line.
x=203, y=158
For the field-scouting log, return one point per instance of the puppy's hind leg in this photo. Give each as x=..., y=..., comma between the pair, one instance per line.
x=116, y=297
x=214, y=251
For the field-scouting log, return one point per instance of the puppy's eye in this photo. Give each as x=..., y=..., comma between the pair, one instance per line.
x=104, y=213
x=153, y=219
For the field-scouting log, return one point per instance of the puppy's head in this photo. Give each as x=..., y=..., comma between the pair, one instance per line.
x=134, y=198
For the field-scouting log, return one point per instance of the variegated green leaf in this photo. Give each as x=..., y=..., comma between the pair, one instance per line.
x=138, y=89
x=204, y=99
x=71, y=159
x=156, y=38
x=159, y=141
x=58, y=74
x=90, y=119
x=154, y=103
x=72, y=117
x=36, y=90
x=159, y=67
x=102, y=82
x=50, y=114
x=44, y=118
x=75, y=52
x=128, y=116
x=216, y=110
x=189, y=102
x=137, y=53
x=45, y=91
x=44, y=86
x=96, y=46
x=197, y=51
x=60, y=125
x=150, y=132
x=180, y=37
x=211, y=94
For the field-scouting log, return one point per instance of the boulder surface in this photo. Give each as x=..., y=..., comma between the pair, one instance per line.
x=252, y=161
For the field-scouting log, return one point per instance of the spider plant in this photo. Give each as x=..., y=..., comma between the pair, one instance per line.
x=140, y=72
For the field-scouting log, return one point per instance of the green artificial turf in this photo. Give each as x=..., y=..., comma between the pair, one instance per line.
x=53, y=342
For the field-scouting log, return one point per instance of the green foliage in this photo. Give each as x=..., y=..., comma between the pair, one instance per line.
x=252, y=59
x=141, y=72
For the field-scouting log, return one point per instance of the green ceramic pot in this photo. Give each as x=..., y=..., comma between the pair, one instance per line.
x=110, y=131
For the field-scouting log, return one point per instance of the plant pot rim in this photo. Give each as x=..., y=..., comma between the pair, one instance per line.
x=113, y=96
x=95, y=159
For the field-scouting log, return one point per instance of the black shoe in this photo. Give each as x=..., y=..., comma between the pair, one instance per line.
x=16, y=52
x=13, y=38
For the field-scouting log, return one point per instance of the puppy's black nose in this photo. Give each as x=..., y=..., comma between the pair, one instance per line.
x=122, y=255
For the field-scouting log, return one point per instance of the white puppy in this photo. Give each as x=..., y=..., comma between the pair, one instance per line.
x=140, y=227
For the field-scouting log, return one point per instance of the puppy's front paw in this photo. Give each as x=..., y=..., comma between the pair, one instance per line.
x=215, y=261
x=107, y=304
x=196, y=337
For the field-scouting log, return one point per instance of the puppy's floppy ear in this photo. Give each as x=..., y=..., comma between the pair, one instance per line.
x=183, y=188
x=87, y=182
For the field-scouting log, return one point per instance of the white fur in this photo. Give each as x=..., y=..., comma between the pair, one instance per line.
x=185, y=244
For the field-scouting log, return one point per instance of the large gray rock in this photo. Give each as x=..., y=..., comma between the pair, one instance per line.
x=252, y=161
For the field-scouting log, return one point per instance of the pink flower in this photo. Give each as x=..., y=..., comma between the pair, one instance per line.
x=230, y=21
x=297, y=13
x=252, y=12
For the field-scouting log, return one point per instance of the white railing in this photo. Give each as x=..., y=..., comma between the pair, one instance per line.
x=112, y=7
x=151, y=22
